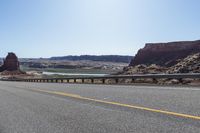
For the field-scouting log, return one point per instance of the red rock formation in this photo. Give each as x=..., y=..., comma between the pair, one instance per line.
x=11, y=63
x=165, y=54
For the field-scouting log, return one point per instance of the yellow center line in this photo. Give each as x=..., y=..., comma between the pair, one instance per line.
x=119, y=104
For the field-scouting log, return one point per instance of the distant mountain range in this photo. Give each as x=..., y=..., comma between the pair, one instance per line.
x=105, y=58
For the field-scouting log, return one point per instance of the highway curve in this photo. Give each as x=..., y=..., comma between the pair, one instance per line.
x=84, y=108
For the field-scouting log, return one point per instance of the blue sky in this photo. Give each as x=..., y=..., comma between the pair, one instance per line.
x=45, y=28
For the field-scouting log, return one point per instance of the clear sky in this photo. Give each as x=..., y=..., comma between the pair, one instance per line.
x=45, y=28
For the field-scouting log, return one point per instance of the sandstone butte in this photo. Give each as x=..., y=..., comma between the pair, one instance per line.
x=10, y=63
x=165, y=54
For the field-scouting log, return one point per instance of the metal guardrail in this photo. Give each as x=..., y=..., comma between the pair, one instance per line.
x=113, y=77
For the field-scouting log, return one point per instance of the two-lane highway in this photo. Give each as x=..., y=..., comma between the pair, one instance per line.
x=83, y=108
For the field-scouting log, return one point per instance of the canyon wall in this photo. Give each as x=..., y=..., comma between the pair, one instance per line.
x=165, y=54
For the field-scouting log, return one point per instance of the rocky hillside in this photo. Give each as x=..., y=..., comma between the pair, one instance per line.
x=190, y=64
x=165, y=54
x=144, y=69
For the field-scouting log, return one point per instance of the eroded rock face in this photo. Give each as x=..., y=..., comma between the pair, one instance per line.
x=10, y=63
x=165, y=54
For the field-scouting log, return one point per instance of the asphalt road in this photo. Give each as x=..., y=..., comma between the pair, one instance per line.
x=82, y=108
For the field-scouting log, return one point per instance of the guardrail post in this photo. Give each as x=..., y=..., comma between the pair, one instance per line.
x=103, y=81
x=180, y=80
x=154, y=80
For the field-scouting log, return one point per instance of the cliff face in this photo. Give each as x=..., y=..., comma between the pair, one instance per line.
x=165, y=54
